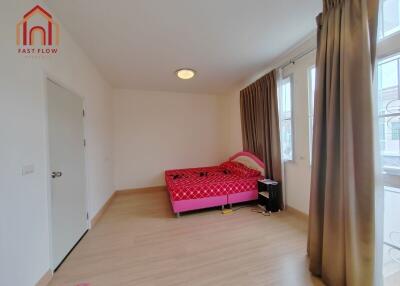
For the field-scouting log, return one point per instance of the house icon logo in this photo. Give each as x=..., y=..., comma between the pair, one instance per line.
x=38, y=33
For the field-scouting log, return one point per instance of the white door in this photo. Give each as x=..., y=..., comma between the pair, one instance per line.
x=67, y=170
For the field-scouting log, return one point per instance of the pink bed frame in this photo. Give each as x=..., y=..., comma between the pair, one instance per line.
x=188, y=205
x=196, y=204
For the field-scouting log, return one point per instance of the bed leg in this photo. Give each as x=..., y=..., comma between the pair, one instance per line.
x=230, y=206
x=178, y=215
x=222, y=207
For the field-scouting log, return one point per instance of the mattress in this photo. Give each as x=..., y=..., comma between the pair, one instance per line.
x=196, y=183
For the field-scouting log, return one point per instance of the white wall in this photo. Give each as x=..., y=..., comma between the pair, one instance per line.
x=24, y=224
x=156, y=131
x=232, y=132
x=297, y=173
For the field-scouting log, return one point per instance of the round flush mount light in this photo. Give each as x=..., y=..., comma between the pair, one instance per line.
x=185, y=73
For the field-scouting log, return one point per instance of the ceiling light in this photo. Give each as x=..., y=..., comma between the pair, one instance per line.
x=185, y=73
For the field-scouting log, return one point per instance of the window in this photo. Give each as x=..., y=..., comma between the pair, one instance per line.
x=389, y=19
x=311, y=95
x=389, y=112
x=387, y=106
x=285, y=112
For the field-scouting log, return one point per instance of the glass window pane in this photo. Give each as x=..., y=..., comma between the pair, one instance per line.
x=388, y=74
x=390, y=141
x=287, y=139
x=390, y=15
x=312, y=90
x=286, y=108
x=285, y=98
x=311, y=98
x=382, y=131
x=391, y=235
x=380, y=25
x=392, y=224
x=285, y=113
x=389, y=112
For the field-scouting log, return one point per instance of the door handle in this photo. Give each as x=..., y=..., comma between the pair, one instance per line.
x=56, y=174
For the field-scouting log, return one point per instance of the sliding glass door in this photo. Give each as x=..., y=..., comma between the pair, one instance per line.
x=388, y=111
x=388, y=107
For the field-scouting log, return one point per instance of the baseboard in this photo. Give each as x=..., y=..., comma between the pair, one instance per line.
x=136, y=190
x=103, y=209
x=297, y=213
x=45, y=280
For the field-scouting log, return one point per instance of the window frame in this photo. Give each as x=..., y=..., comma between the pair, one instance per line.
x=291, y=81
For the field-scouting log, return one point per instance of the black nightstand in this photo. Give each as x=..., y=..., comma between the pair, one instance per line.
x=269, y=195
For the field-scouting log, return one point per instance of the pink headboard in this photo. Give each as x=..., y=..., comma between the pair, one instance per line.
x=250, y=160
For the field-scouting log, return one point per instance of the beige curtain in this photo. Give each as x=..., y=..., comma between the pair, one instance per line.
x=260, y=123
x=341, y=225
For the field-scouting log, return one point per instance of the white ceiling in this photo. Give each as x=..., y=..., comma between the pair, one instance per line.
x=138, y=44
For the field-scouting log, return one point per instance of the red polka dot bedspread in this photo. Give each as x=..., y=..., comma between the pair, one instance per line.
x=196, y=183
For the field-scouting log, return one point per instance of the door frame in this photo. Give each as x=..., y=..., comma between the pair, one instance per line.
x=51, y=77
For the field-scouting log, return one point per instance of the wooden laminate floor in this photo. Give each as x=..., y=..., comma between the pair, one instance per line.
x=138, y=241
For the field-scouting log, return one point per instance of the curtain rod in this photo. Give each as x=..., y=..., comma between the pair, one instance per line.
x=296, y=58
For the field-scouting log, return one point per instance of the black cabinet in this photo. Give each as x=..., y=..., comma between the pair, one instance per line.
x=269, y=195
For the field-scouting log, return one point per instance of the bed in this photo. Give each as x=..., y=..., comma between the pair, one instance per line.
x=231, y=182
